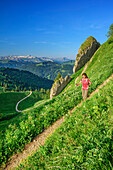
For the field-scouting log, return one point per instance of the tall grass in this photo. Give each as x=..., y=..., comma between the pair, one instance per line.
x=84, y=140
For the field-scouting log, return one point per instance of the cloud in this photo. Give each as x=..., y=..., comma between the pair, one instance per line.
x=50, y=32
x=12, y=43
x=41, y=29
x=4, y=41
x=40, y=42
x=8, y=42
x=46, y=31
x=45, y=42
x=53, y=43
x=95, y=26
x=67, y=42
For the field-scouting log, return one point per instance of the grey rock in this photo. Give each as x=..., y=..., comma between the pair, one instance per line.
x=85, y=52
x=59, y=85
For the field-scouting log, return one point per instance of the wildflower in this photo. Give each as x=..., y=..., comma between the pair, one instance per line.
x=13, y=136
x=97, y=147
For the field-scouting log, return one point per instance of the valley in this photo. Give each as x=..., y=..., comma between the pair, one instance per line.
x=8, y=113
x=45, y=69
x=19, y=80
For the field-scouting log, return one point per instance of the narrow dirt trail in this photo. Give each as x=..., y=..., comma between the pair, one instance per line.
x=21, y=101
x=40, y=139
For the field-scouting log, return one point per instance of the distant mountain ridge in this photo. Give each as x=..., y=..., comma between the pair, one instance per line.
x=46, y=69
x=34, y=59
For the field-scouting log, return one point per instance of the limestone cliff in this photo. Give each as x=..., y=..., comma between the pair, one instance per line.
x=59, y=85
x=85, y=52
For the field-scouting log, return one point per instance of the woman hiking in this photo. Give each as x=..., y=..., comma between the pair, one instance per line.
x=85, y=84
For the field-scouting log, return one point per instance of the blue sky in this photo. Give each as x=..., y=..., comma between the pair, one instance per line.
x=52, y=28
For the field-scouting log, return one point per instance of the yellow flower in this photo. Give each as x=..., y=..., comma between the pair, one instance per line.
x=13, y=136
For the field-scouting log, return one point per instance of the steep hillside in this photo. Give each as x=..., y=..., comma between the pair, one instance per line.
x=83, y=141
x=14, y=79
x=38, y=119
x=45, y=69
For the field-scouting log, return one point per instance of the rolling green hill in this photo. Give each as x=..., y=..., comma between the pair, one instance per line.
x=45, y=69
x=50, y=69
x=14, y=79
x=8, y=101
x=84, y=141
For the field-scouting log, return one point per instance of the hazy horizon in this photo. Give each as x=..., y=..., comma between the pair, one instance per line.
x=39, y=56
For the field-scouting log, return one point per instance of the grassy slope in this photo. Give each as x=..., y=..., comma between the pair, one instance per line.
x=44, y=116
x=8, y=103
x=36, y=97
x=84, y=140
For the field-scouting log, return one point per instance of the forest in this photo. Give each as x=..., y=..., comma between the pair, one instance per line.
x=19, y=80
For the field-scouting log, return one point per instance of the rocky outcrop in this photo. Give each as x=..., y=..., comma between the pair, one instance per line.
x=85, y=52
x=59, y=85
